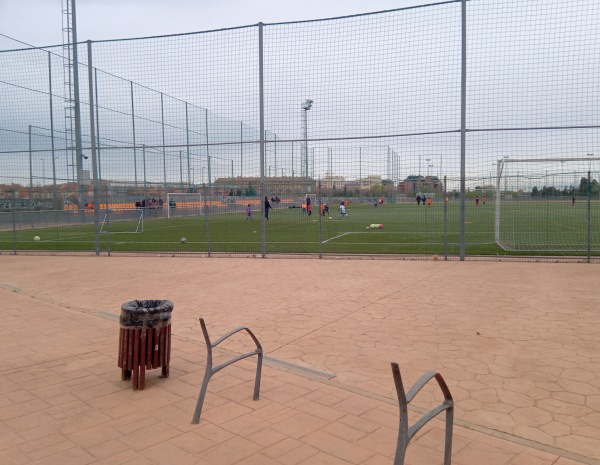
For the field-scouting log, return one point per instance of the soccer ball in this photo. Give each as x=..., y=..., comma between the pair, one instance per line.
x=36, y=238
x=331, y=217
x=183, y=240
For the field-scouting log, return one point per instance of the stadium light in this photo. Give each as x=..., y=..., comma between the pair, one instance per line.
x=307, y=104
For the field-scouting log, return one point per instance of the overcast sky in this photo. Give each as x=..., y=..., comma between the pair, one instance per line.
x=39, y=22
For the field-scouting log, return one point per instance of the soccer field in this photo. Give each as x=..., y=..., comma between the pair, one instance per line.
x=549, y=228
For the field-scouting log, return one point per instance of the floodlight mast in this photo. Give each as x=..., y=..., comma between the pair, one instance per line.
x=306, y=105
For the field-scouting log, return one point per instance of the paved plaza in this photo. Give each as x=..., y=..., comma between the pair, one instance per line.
x=518, y=344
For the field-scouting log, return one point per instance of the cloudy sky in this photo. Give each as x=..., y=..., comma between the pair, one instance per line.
x=39, y=22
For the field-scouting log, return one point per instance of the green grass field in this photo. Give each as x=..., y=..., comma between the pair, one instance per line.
x=549, y=228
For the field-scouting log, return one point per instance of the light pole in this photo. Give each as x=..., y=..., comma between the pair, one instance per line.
x=306, y=105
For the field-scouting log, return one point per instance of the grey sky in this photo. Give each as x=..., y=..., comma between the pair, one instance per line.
x=39, y=22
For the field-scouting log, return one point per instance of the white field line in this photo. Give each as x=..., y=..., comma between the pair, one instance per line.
x=336, y=237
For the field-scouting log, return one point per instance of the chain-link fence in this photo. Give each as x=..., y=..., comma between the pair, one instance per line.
x=455, y=129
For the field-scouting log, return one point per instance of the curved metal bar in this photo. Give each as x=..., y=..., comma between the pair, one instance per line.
x=406, y=433
x=210, y=371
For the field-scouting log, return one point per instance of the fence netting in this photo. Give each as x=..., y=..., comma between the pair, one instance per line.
x=385, y=134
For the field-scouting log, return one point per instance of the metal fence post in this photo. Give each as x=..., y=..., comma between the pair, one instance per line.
x=463, y=127
x=445, y=219
x=318, y=206
x=14, y=221
x=54, y=192
x=263, y=223
x=589, y=217
x=96, y=197
x=206, y=219
x=135, y=181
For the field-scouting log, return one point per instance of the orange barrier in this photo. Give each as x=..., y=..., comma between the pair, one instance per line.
x=186, y=205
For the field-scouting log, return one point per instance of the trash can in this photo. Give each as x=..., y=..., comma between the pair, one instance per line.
x=144, y=339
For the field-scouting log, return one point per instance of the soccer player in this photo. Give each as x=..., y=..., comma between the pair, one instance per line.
x=342, y=210
x=249, y=213
x=267, y=208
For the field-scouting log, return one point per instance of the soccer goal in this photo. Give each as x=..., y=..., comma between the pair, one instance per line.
x=123, y=221
x=540, y=204
x=184, y=204
x=313, y=200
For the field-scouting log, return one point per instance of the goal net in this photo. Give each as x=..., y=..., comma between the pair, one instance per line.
x=541, y=205
x=122, y=220
x=179, y=205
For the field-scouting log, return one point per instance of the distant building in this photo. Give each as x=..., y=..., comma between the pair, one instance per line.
x=415, y=183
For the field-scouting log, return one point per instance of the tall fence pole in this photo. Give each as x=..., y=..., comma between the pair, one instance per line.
x=206, y=219
x=445, y=220
x=318, y=207
x=14, y=221
x=77, y=105
x=463, y=126
x=589, y=217
x=54, y=192
x=263, y=245
x=145, y=181
x=207, y=151
x=162, y=125
x=180, y=170
x=93, y=150
x=30, y=179
x=187, y=145
x=133, y=133
x=241, y=149
x=96, y=197
x=98, y=127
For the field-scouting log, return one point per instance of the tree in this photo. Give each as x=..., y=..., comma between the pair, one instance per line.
x=250, y=191
x=535, y=191
x=583, y=187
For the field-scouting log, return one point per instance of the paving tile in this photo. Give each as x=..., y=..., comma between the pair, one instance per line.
x=108, y=448
x=231, y=451
x=340, y=448
x=14, y=456
x=299, y=425
x=530, y=373
x=167, y=454
x=149, y=436
x=266, y=437
x=72, y=456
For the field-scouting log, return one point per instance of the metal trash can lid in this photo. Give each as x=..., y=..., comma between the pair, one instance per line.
x=146, y=313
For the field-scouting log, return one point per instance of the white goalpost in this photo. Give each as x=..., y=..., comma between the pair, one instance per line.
x=123, y=221
x=313, y=201
x=533, y=203
x=184, y=204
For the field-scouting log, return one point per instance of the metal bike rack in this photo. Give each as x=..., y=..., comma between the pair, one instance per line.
x=406, y=433
x=210, y=371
